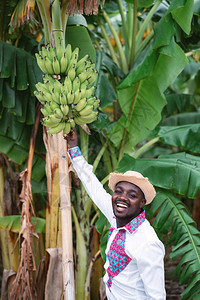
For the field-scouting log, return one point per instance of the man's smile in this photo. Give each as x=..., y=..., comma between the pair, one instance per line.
x=121, y=205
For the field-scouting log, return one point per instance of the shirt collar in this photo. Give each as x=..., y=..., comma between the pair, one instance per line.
x=135, y=223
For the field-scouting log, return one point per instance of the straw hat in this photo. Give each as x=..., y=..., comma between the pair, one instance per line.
x=137, y=179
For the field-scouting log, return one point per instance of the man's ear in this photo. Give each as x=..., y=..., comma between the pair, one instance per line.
x=143, y=202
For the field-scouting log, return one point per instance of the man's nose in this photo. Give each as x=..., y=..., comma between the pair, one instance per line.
x=123, y=196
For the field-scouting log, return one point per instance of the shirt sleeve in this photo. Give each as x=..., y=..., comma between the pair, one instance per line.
x=90, y=182
x=151, y=269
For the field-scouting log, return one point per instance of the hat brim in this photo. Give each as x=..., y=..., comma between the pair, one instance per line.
x=143, y=183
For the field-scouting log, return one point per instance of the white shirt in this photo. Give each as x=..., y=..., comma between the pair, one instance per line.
x=134, y=254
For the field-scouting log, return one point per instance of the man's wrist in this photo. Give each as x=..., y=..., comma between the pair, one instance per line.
x=74, y=152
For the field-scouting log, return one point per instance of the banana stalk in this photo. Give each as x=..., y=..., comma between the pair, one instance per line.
x=57, y=25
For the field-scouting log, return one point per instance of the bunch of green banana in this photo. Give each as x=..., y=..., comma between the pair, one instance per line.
x=70, y=99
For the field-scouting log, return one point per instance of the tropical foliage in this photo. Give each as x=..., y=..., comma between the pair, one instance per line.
x=147, y=56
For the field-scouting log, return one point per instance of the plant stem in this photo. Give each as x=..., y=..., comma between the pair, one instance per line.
x=145, y=147
x=57, y=25
x=64, y=16
x=98, y=158
x=146, y=22
x=82, y=259
x=105, y=180
x=143, y=44
x=126, y=128
x=130, y=23
x=84, y=142
x=45, y=16
x=134, y=31
x=89, y=273
x=124, y=27
x=110, y=46
x=118, y=43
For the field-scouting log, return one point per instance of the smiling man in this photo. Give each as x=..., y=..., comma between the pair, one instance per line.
x=134, y=254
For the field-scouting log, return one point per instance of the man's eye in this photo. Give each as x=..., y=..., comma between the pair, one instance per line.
x=117, y=191
x=132, y=195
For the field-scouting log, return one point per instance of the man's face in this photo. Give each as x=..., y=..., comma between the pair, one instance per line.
x=127, y=202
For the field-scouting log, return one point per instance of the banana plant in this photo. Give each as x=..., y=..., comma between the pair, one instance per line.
x=140, y=73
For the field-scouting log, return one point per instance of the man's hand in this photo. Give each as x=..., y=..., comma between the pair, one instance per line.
x=72, y=139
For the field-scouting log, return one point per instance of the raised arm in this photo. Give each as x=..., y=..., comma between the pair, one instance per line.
x=84, y=171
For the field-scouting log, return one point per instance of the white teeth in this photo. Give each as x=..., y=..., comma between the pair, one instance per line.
x=121, y=205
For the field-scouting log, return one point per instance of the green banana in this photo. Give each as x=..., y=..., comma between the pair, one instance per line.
x=56, y=66
x=47, y=96
x=86, y=110
x=67, y=128
x=83, y=76
x=55, y=96
x=47, y=77
x=44, y=112
x=63, y=64
x=82, y=103
x=82, y=61
x=57, y=85
x=44, y=51
x=88, y=64
x=40, y=62
x=96, y=104
x=53, y=105
x=91, y=100
x=70, y=97
x=63, y=99
x=84, y=85
x=51, y=53
x=68, y=83
x=86, y=119
x=40, y=97
x=83, y=92
x=78, y=121
x=77, y=96
x=72, y=73
x=59, y=52
x=81, y=68
x=72, y=123
x=65, y=109
x=89, y=92
x=57, y=128
x=48, y=66
x=68, y=52
x=73, y=59
x=58, y=113
x=41, y=87
x=93, y=77
x=76, y=84
x=48, y=108
x=48, y=122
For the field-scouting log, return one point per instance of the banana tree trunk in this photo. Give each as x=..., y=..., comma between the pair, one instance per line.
x=9, y=251
x=58, y=181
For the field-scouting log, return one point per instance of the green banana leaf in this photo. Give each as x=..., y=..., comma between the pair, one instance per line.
x=23, y=63
x=13, y=223
x=173, y=217
x=78, y=36
x=142, y=101
x=179, y=103
x=177, y=172
x=102, y=225
x=182, y=12
x=185, y=136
